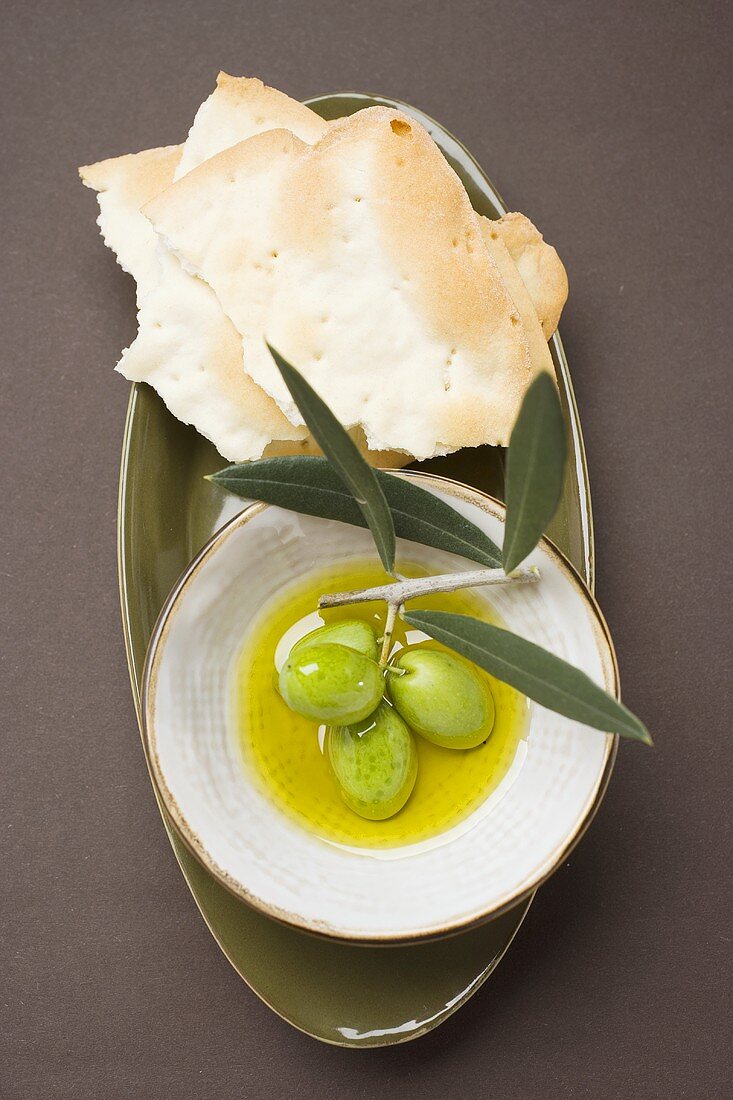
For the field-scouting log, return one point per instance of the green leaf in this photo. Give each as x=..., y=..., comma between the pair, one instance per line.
x=310, y=485
x=343, y=454
x=529, y=668
x=534, y=470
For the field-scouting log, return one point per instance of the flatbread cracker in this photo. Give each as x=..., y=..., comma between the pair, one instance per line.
x=539, y=265
x=123, y=185
x=186, y=347
x=362, y=260
x=238, y=108
x=192, y=356
x=539, y=351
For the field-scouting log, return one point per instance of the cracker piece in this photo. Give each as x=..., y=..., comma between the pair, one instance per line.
x=539, y=265
x=362, y=260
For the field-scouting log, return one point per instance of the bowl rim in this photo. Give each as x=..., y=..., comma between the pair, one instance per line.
x=486, y=503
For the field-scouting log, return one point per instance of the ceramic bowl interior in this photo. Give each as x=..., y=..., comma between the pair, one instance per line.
x=498, y=855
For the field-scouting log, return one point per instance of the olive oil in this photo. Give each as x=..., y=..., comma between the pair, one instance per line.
x=286, y=751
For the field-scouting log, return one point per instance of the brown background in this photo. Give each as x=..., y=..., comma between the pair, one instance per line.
x=605, y=123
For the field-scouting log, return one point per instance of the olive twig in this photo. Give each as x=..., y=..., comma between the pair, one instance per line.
x=398, y=592
x=392, y=610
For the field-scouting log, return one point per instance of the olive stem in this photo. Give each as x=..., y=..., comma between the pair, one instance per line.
x=392, y=610
x=399, y=591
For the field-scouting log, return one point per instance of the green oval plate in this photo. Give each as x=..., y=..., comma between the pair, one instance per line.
x=348, y=995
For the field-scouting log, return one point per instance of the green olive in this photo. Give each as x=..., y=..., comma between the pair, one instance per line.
x=354, y=633
x=441, y=697
x=375, y=763
x=331, y=683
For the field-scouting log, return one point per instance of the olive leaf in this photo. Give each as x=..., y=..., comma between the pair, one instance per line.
x=534, y=671
x=534, y=470
x=311, y=486
x=341, y=451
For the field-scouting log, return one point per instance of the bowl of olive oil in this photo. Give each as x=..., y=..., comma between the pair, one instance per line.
x=288, y=760
x=305, y=815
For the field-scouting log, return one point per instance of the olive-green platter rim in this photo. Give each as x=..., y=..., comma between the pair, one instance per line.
x=403, y=992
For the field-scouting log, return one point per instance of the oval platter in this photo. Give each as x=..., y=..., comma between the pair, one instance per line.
x=338, y=993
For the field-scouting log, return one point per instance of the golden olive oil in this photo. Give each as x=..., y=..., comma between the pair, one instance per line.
x=285, y=750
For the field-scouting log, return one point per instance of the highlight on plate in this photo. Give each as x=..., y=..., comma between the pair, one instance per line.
x=319, y=300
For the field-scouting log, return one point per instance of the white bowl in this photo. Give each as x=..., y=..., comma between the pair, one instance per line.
x=488, y=863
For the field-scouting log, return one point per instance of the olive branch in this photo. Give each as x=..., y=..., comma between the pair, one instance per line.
x=343, y=486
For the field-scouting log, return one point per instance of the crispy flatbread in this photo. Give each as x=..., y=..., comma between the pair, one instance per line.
x=539, y=351
x=362, y=260
x=123, y=185
x=186, y=347
x=538, y=263
x=239, y=107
